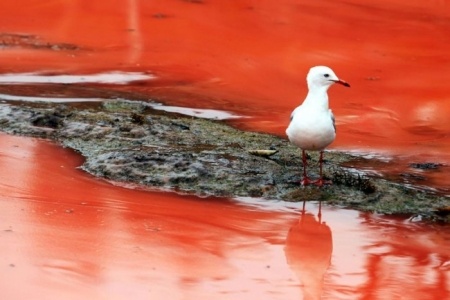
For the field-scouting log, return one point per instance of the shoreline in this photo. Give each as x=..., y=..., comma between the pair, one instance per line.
x=131, y=142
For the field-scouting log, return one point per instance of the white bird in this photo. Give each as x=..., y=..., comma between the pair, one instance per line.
x=312, y=123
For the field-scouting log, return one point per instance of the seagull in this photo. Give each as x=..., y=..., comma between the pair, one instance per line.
x=312, y=124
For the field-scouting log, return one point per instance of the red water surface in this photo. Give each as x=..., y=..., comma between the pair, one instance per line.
x=68, y=236
x=251, y=57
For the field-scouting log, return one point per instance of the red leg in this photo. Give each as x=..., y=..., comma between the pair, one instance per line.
x=319, y=214
x=305, y=180
x=321, y=181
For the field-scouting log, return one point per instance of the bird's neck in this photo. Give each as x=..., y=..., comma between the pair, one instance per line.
x=317, y=97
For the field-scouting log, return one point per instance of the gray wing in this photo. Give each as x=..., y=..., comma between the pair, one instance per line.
x=293, y=112
x=334, y=121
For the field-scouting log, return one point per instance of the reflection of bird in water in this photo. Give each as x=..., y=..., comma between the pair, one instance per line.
x=308, y=252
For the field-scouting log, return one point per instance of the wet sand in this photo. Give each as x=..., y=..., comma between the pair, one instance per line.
x=71, y=236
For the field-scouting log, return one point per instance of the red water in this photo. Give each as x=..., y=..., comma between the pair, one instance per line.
x=70, y=236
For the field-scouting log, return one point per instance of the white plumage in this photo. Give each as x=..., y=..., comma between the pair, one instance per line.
x=312, y=123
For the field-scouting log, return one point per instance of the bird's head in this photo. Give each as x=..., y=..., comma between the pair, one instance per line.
x=321, y=76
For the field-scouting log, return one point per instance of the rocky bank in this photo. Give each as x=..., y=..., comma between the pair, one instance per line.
x=130, y=142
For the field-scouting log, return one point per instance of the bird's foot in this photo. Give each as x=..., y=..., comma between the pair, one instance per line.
x=321, y=182
x=305, y=181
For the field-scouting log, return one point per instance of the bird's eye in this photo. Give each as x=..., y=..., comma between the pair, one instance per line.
x=326, y=75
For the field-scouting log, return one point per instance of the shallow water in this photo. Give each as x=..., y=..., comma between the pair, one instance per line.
x=70, y=236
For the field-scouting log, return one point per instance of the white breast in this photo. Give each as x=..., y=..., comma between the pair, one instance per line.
x=311, y=129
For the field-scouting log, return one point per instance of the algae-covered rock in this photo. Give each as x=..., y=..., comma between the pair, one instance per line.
x=129, y=142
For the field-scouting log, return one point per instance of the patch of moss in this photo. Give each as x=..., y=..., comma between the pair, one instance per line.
x=127, y=141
